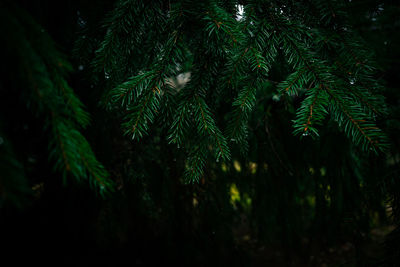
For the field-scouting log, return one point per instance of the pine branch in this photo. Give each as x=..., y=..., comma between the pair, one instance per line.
x=195, y=164
x=14, y=187
x=180, y=124
x=238, y=118
x=357, y=127
x=206, y=125
x=312, y=112
x=128, y=92
x=46, y=70
x=142, y=114
x=74, y=157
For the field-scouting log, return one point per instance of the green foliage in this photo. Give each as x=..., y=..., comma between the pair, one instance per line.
x=51, y=97
x=331, y=70
x=73, y=156
x=224, y=133
x=14, y=185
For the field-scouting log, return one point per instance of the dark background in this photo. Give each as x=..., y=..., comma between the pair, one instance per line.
x=153, y=218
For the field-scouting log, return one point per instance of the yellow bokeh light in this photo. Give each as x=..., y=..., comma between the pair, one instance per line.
x=237, y=166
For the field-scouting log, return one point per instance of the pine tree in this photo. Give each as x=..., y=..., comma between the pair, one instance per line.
x=202, y=113
x=50, y=97
x=230, y=49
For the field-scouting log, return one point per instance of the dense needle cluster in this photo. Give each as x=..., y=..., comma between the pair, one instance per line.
x=230, y=48
x=218, y=125
x=44, y=70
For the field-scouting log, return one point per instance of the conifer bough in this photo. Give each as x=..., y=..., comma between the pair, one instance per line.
x=229, y=47
x=51, y=98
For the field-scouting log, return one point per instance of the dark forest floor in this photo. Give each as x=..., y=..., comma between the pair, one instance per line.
x=367, y=252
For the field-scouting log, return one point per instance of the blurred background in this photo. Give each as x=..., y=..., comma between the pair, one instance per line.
x=289, y=202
